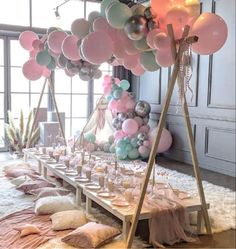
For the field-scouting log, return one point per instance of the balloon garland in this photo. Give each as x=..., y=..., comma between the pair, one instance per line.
x=135, y=37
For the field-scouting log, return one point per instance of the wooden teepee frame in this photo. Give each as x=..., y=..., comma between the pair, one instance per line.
x=177, y=51
x=48, y=82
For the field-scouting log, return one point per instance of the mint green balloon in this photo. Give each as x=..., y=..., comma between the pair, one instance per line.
x=117, y=15
x=43, y=58
x=134, y=142
x=141, y=44
x=148, y=61
x=90, y=138
x=133, y=154
x=121, y=143
x=124, y=84
x=111, y=139
x=113, y=148
x=128, y=147
x=127, y=140
x=121, y=153
x=104, y=5
x=52, y=64
x=117, y=93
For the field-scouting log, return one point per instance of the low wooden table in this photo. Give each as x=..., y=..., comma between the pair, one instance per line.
x=124, y=214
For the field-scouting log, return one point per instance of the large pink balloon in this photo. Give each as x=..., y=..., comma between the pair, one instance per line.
x=46, y=72
x=130, y=126
x=101, y=24
x=165, y=142
x=26, y=39
x=138, y=70
x=70, y=48
x=97, y=47
x=212, y=32
x=150, y=37
x=161, y=41
x=130, y=61
x=55, y=40
x=32, y=70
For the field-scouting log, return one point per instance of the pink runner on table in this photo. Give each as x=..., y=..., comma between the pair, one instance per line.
x=10, y=238
x=169, y=223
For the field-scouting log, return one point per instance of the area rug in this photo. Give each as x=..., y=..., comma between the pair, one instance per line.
x=222, y=200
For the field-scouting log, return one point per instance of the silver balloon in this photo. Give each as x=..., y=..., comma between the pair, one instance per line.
x=148, y=13
x=139, y=142
x=142, y=136
x=131, y=114
x=97, y=74
x=136, y=27
x=146, y=120
x=142, y=108
x=122, y=116
x=84, y=76
x=62, y=61
x=116, y=123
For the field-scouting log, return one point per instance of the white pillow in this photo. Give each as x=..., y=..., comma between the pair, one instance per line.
x=53, y=204
x=70, y=219
x=20, y=180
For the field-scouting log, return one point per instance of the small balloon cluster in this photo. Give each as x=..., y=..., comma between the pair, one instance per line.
x=130, y=119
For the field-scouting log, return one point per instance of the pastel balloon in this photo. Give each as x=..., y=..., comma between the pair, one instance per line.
x=33, y=53
x=141, y=45
x=46, y=72
x=133, y=154
x=130, y=104
x=129, y=48
x=138, y=9
x=52, y=64
x=62, y=61
x=138, y=70
x=69, y=74
x=70, y=49
x=32, y=70
x=144, y=129
x=119, y=134
x=80, y=27
x=37, y=45
x=93, y=16
x=148, y=62
x=105, y=4
x=150, y=37
x=97, y=47
x=144, y=151
x=55, y=40
x=43, y=58
x=212, y=32
x=193, y=7
x=130, y=126
x=101, y=24
x=146, y=143
x=26, y=39
x=165, y=141
x=124, y=84
x=161, y=41
x=139, y=120
x=117, y=15
x=164, y=58
x=130, y=62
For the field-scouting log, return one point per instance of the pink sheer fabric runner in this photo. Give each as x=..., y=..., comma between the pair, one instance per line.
x=169, y=223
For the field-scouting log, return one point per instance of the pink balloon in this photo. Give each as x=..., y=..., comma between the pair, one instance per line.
x=146, y=143
x=165, y=141
x=129, y=47
x=130, y=104
x=144, y=128
x=138, y=70
x=70, y=48
x=33, y=53
x=101, y=24
x=130, y=61
x=164, y=58
x=55, y=40
x=90, y=147
x=32, y=70
x=130, y=126
x=150, y=37
x=161, y=41
x=37, y=45
x=26, y=39
x=144, y=151
x=46, y=72
x=119, y=134
x=212, y=32
x=139, y=120
x=112, y=105
x=97, y=47
x=53, y=54
x=119, y=51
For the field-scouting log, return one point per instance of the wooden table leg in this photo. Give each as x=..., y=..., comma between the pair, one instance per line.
x=78, y=196
x=125, y=229
x=199, y=222
x=88, y=205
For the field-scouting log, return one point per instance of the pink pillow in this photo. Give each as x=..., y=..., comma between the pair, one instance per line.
x=27, y=230
x=27, y=186
x=48, y=191
x=91, y=235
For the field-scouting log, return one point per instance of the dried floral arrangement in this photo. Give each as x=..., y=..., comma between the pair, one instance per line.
x=18, y=136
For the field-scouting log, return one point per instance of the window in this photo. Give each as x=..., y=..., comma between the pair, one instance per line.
x=2, y=145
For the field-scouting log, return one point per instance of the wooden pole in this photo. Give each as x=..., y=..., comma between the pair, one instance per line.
x=152, y=156
x=191, y=138
x=36, y=113
x=57, y=112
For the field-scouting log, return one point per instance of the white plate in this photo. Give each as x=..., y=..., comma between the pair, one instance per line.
x=92, y=186
x=44, y=157
x=106, y=194
x=49, y=161
x=120, y=203
x=82, y=179
x=71, y=173
x=60, y=166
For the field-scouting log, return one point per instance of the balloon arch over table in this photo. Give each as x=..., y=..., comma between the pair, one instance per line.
x=135, y=37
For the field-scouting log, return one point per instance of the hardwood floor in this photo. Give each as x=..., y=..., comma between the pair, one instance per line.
x=219, y=240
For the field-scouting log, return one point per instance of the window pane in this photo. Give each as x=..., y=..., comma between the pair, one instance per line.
x=15, y=12
x=18, y=55
x=79, y=106
x=18, y=102
x=1, y=79
x=2, y=135
x=63, y=103
x=106, y=67
x=96, y=97
x=98, y=88
x=34, y=99
x=1, y=105
x=44, y=16
x=78, y=124
x=1, y=53
x=92, y=7
x=37, y=85
x=18, y=82
x=62, y=82
x=78, y=85
x=67, y=128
